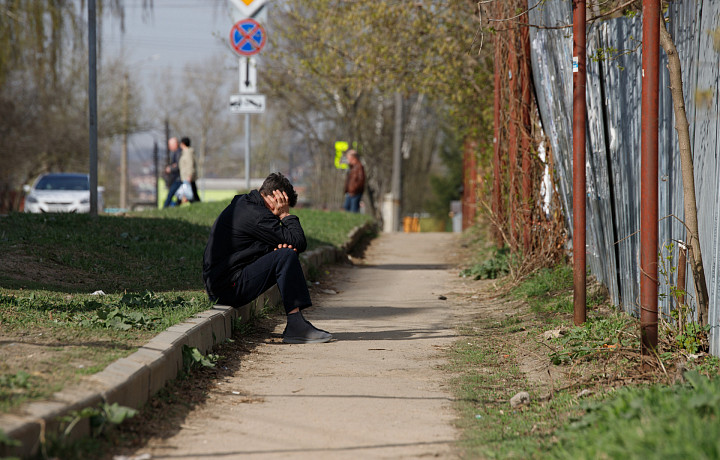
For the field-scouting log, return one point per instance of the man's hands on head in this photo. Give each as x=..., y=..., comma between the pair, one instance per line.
x=285, y=245
x=278, y=203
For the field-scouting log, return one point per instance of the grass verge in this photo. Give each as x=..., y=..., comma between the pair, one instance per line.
x=167, y=411
x=489, y=377
x=591, y=393
x=56, y=325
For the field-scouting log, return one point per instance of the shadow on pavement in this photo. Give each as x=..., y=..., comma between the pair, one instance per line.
x=402, y=334
x=367, y=312
x=403, y=267
x=297, y=451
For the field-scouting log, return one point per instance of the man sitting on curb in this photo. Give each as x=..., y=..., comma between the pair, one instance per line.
x=253, y=244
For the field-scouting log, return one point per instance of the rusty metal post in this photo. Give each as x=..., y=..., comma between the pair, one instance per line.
x=649, y=175
x=512, y=141
x=579, y=182
x=526, y=101
x=497, y=170
x=681, y=284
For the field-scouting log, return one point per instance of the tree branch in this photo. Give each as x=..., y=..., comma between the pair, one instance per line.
x=682, y=126
x=536, y=26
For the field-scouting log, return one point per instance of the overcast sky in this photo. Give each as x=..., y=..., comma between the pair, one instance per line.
x=171, y=35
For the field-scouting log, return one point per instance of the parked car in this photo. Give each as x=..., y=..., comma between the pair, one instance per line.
x=60, y=192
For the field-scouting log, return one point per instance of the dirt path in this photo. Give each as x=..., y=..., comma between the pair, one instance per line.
x=375, y=392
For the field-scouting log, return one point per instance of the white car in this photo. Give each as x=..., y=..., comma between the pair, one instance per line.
x=60, y=192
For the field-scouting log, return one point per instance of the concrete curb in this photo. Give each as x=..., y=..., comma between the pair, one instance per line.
x=133, y=380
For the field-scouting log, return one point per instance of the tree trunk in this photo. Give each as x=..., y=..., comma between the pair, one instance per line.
x=688, y=174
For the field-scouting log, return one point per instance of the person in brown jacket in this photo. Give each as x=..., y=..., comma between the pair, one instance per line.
x=354, y=182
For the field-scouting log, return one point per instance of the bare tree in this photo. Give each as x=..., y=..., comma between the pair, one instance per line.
x=344, y=91
x=196, y=105
x=682, y=127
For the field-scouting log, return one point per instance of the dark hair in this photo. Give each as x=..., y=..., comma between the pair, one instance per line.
x=186, y=141
x=277, y=181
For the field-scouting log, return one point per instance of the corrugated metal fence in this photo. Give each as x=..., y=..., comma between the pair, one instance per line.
x=613, y=147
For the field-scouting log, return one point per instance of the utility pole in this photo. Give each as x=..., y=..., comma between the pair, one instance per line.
x=124, y=151
x=469, y=198
x=396, y=183
x=649, y=176
x=579, y=180
x=92, y=104
x=167, y=141
x=156, y=162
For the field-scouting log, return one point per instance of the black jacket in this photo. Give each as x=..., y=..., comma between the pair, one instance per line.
x=174, y=167
x=245, y=231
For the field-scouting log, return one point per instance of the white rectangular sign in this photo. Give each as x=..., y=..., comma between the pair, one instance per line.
x=247, y=103
x=247, y=8
x=248, y=75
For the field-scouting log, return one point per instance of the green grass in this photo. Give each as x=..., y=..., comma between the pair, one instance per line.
x=486, y=362
x=496, y=265
x=77, y=253
x=548, y=289
x=321, y=227
x=645, y=421
x=158, y=250
x=658, y=421
x=598, y=332
x=206, y=195
x=488, y=377
x=148, y=265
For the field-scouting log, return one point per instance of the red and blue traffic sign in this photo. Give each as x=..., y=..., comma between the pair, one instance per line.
x=247, y=37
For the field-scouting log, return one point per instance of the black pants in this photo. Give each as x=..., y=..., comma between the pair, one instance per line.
x=282, y=267
x=196, y=197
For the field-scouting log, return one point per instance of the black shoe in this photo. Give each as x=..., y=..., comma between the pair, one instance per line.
x=299, y=330
x=311, y=325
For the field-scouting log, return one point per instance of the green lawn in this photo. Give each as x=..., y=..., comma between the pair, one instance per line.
x=148, y=266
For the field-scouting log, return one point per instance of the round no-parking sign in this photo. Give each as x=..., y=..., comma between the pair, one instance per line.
x=247, y=37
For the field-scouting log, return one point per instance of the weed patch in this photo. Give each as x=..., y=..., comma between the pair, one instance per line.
x=598, y=335
x=623, y=410
x=167, y=411
x=18, y=387
x=194, y=359
x=658, y=421
x=548, y=290
x=100, y=419
x=486, y=361
x=495, y=266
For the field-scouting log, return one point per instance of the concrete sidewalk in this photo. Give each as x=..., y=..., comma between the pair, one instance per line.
x=377, y=391
x=131, y=381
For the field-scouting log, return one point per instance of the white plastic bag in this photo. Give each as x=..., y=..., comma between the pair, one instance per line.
x=185, y=192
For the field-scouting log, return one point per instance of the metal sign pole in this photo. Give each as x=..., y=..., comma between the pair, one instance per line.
x=247, y=38
x=245, y=61
x=247, y=151
x=92, y=105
